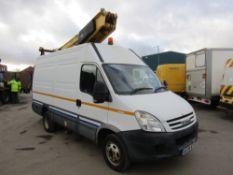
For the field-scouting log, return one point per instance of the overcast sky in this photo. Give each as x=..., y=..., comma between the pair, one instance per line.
x=179, y=25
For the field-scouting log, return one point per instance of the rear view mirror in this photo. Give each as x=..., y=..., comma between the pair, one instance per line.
x=100, y=92
x=165, y=83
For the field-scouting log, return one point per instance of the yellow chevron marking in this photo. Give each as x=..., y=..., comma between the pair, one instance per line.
x=223, y=89
x=229, y=92
x=229, y=63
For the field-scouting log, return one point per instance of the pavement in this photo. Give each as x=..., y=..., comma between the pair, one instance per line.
x=26, y=149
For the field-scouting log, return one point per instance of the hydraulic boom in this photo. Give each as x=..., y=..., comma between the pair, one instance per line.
x=98, y=29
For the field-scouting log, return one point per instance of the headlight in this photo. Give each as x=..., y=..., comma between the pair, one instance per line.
x=149, y=122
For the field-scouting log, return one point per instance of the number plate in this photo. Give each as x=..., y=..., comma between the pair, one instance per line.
x=186, y=150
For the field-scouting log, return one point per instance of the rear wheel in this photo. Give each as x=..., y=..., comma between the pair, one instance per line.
x=215, y=102
x=49, y=125
x=115, y=153
x=5, y=97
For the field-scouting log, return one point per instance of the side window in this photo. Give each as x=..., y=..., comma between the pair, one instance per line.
x=87, y=79
x=89, y=75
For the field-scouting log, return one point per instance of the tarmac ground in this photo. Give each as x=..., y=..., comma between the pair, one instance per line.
x=26, y=149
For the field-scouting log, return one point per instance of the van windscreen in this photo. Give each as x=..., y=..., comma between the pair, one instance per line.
x=132, y=79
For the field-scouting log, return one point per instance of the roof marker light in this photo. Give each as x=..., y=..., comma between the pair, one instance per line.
x=110, y=41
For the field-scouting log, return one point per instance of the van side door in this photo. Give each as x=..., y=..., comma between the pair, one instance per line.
x=91, y=115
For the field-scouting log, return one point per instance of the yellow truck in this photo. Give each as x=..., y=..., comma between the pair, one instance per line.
x=226, y=90
x=172, y=75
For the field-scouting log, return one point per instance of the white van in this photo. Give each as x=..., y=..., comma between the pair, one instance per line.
x=107, y=94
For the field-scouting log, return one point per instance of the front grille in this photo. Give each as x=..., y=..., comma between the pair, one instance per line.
x=181, y=122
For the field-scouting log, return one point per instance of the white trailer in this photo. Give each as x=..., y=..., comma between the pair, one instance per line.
x=204, y=72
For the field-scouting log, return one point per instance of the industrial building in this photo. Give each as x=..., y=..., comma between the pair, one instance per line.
x=169, y=57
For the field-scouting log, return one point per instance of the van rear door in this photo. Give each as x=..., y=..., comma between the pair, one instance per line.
x=196, y=73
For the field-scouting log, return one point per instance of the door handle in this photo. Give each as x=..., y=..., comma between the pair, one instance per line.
x=78, y=103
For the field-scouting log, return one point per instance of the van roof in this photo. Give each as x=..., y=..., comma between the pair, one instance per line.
x=91, y=52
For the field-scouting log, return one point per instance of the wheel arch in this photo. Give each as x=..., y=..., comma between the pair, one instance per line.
x=45, y=108
x=103, y=132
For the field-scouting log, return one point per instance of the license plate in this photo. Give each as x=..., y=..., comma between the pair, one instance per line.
x=186, y=150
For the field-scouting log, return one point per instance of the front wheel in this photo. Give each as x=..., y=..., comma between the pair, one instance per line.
x=115, y=153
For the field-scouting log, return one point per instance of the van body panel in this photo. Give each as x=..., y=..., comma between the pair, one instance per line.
x=197, y=85
x=204, y=70
x=218, y=70
x=157, y=103
x=174, y=75
x=195, y=73
x=119, y=119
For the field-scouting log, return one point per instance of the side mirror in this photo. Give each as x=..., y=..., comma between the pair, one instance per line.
x=100, y=92
x=165, y=83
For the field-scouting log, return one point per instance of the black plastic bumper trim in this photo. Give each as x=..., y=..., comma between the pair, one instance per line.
x=142, y=145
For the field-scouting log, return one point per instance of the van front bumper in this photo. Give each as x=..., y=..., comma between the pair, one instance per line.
x=142, y=145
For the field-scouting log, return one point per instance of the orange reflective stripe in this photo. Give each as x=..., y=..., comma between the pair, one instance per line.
x=86, y=103
x=107, y=108
x=54, y=96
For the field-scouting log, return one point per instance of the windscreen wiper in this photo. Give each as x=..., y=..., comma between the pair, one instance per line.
x=161, y=87
x=141, y=89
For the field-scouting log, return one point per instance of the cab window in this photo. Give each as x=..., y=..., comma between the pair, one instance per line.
x=89, y=75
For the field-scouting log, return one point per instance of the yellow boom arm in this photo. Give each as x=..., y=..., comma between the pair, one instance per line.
x=99, y=28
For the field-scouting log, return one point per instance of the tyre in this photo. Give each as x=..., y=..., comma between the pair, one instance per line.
x=5, y=97
x=49, y=125
x=215, y=102
x=185, y=96
x=115, y=153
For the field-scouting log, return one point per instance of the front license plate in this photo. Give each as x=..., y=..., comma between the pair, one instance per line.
x=186, y=150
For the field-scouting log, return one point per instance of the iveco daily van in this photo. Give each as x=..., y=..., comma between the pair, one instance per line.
x=107, y=94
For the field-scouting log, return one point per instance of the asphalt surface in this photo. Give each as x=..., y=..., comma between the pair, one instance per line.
x=26, y=149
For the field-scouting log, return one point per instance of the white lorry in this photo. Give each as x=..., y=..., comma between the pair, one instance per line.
x=204, y=72
x=107, y=94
